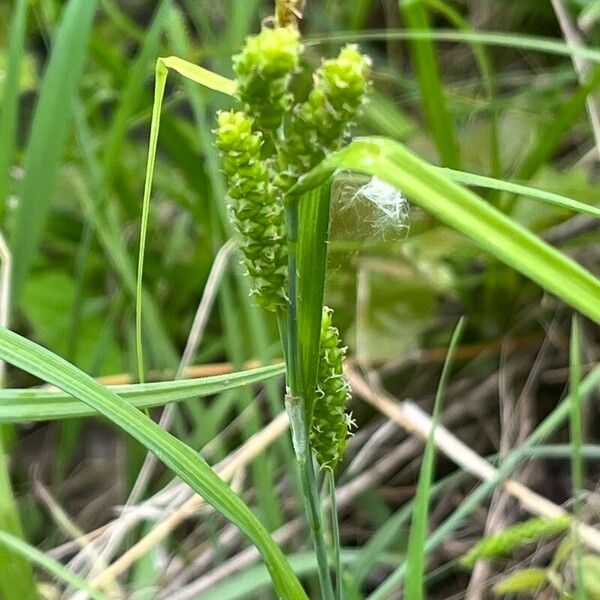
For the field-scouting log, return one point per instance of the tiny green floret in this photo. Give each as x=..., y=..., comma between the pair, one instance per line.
x=521, y=534
x=258, y=214
x=330, y=427
x=322, y=123
x=263, y=70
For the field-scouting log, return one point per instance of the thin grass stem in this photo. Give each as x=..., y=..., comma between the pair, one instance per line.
x=335, y=535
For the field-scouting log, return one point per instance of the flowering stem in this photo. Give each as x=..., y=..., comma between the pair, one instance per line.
x=335, y=534
x=295, y=407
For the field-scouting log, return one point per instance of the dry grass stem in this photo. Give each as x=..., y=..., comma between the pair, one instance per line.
x=410, y=417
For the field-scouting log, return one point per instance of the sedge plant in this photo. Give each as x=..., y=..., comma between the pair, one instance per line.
x=279, y=153
x=266, y=146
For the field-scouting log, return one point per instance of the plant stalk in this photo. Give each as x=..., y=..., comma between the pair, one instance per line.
x=295, y=407
x=335, y=534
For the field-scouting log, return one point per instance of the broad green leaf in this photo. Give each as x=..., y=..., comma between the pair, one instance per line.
x=176, y=455
x=49, y=132
x=466, y=212
x=25, y=405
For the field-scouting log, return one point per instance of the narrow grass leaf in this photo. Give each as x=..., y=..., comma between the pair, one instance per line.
x=433, y=96
x=133, y=91
x=312, y=264
x=20, y=548
x=16, y=575
x=160, y=80
x=466, y=212
x=49, y=132
x=470, y=503
x=576, y=455
x=490, y=38
x=472, y=179
x=415, y=560
x=549, y=137
x=176, y=455
x=200, y=75
x=28, y=405
x=10, y=100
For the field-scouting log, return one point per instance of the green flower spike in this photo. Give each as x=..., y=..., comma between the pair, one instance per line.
x=257, y=213
x=521, y=534
x=321, y=124
x=330, y=427
x=263, y=70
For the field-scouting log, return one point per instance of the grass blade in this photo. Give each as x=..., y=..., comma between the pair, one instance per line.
x=490, y=38
x=200, y=75
x=312, y=259
x=160, y=81
x=20, y=548
x=181, y=459
x=548, y=426
x=49, y=132
x=576, y=456
x=427, y=69
x=16, y=576
x=133, y=91
x=467, y=213
x=10, y=100
x=415, y=567
x=521, y=190
x=28, y=405
x=193, y=73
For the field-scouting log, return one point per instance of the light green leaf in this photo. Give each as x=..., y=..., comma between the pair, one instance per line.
x=522, y=190
x=415, y=559
x=49, y=132
x=176, y=455
x=26, y=405
x=467, y=213
x=200, y=75
x=21, y=548
x=312, y=259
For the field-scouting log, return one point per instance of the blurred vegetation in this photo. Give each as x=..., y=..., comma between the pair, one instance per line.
x=71, y=179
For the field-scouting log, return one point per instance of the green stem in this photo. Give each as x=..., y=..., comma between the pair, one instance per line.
x=294, y=403
x=335, y=534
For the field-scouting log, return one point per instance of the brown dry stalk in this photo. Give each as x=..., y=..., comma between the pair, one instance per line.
x=226, y=470
x=417, y=422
